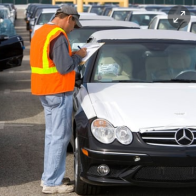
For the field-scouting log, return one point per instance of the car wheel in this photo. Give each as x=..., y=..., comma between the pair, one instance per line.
x=82, y=188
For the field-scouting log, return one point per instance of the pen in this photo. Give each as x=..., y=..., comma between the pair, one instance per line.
x=79, y=47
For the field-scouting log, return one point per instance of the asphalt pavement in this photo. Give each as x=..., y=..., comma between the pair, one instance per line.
x=22, y=137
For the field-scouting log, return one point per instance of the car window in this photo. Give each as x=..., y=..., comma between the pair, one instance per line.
x=144, y=62
x=120, y=15
x=97, y=10
x=193, y=28
x=183, y=26
x=44, y=18
x=3, y=14
x=142, y=19
x=85, y=8
x=78, y=37
x=152, y=23
x=7, y=28
x=165, y=25
x=107, y=11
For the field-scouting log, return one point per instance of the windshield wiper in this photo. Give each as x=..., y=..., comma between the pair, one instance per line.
x=176, y=80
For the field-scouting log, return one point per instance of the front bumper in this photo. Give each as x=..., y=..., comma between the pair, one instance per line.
x=138, y=164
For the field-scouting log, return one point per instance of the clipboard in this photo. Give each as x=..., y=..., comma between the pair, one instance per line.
x=91, y=49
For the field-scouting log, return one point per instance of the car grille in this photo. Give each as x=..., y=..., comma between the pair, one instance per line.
x=166, y=174
x=169, y=137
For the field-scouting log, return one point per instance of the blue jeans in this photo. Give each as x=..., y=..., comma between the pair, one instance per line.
x=58, y=120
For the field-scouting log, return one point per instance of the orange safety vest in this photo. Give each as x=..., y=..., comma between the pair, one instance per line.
x=45, y=79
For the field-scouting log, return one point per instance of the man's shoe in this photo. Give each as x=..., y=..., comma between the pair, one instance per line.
x=65, y=181
x=58, y=189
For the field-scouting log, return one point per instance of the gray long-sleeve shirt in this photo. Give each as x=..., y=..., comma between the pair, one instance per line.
x=59, y=53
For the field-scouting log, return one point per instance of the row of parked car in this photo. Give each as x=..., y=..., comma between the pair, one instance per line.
x=11, y=44
x=134, y=117
x=8, y=11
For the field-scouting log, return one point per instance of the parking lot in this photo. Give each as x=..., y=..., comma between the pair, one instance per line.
x=22, y=137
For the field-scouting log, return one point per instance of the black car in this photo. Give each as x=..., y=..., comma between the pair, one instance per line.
x=11, y=46
x=135, y=120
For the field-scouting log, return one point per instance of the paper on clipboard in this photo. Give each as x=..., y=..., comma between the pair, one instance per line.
x=91, y=49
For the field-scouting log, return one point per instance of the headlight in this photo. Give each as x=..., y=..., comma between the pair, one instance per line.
x=103, y=131
x=124, y=135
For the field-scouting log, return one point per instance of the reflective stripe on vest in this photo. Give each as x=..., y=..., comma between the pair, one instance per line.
x=46, y=69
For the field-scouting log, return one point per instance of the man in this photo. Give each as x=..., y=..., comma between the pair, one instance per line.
x=52, y=79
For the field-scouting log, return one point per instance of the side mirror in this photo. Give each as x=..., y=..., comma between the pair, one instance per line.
x=78, y=80
x=3, y=37
x=32, y=22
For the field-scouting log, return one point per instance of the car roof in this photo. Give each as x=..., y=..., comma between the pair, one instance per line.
x=94, y=17
x=4, y=8
x=172, y=16
x=126, y=9
x=153, y=5
x=86, y=5
x=87, y=14
x=138, y=34
x=91, y=16
x=149, y=12
x=164, y=16
x=193, y=19
x=52, y=10
x=100, y=23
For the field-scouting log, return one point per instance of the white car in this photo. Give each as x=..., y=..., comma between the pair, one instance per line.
x=79, y=36
x=161, y=22
x=137, y=127
x=44, y=17
x=142, y=18
x=188, y=26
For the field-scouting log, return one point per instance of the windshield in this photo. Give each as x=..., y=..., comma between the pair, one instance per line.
x=44, y=18
x=4, y=13
x=85, y=8
x=97, y=10
x=142, y=19
x=7, y=28
x=78, y=37
x=165, y=25
x=144, y=62
x=193, y=28
x=120, y=15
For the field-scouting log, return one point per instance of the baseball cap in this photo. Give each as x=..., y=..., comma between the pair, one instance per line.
x=69, y=10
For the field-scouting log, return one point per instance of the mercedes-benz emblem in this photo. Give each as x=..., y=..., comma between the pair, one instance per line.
x=184, y=137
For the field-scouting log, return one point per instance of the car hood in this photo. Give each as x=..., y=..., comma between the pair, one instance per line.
x=146, y=105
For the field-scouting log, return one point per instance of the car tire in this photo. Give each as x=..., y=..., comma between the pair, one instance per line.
x=82, y=188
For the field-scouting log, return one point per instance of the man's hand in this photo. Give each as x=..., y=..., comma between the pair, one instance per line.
x=82, y=52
